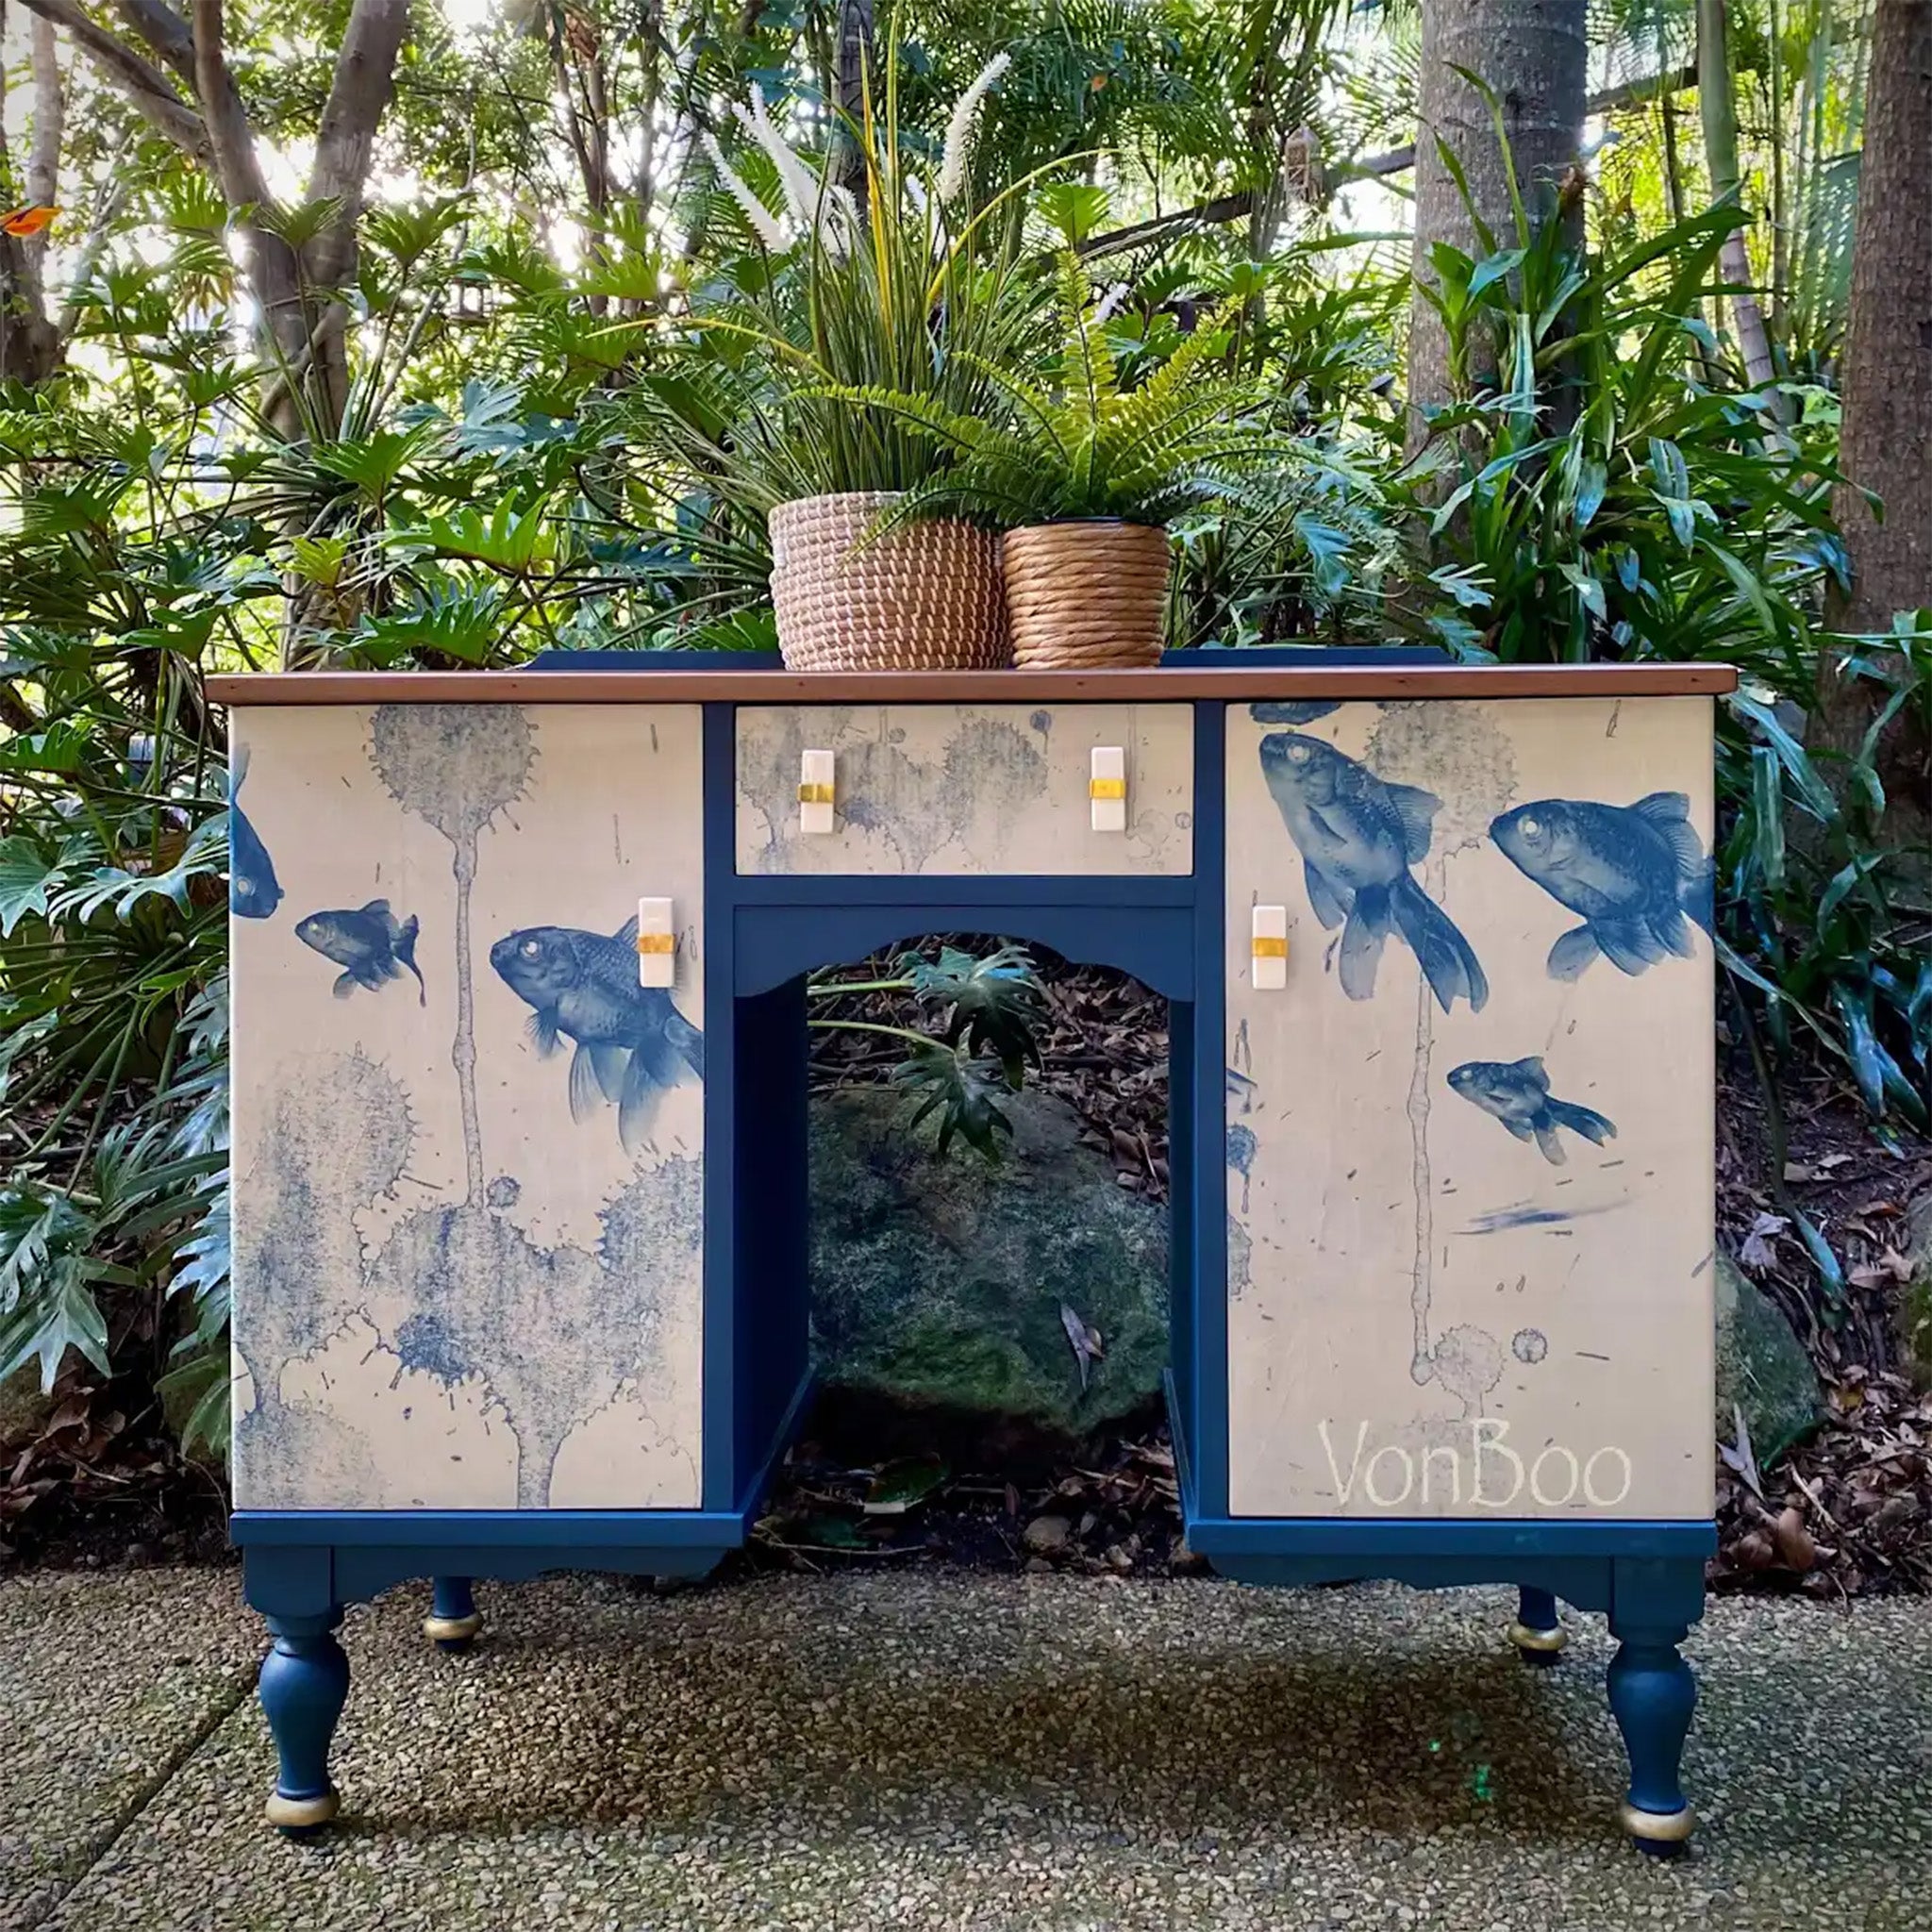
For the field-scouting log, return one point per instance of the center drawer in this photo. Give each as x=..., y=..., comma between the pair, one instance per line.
x=968, y=789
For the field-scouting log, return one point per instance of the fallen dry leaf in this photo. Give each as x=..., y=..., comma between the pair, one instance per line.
x=1795, y=1548
x=1891, y=1269
x=1757, y=1254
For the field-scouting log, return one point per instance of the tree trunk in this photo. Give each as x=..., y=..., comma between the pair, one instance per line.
x=1717, y=104
x=1531, y=55
x=358, y=95
x=1886, y=384
x=30, y=342
x=50, y=122
x=854, y=55
x=303, y=322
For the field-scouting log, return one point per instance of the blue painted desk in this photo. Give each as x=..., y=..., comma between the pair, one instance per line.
x=520, y=1111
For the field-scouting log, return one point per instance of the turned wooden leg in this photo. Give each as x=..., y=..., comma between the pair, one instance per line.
x=1537, y=1632
x=303, y=1684
x=1653, y=1694
x=452, y=1621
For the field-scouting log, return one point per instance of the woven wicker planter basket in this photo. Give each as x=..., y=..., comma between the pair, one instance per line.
x=922, y=597
x=1080, y=595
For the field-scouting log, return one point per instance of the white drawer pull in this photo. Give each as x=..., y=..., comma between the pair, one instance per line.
x=657, y=943
x=1269, y=960
x=815, y=792
x=1107, y=789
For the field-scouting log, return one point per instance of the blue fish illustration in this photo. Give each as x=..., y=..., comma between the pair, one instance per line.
x=370, y=942
x=1292, y=710
x=632, y=1044
x=1517, y=1092
x=1633, y=870
x=1359, y=835
x=253, y=892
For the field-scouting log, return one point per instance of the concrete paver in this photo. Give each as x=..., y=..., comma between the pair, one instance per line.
x=107, y=1682
x=932, y=1749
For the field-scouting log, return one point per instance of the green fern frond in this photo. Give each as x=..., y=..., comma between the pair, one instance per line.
x=921, y=414
x=1095, y=379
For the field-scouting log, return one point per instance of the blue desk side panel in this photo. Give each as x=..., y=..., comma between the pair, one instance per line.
x=758, y=1301
x=1202, y=1363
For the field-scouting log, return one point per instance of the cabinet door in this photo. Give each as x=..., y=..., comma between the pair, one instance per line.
x=467, y=1144
x=1470, y=1167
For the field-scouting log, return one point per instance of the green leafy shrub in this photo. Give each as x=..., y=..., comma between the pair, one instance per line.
x=1605, y=491
x=980, y=1021
x=112, y=1014
x=1823, y=907
x=1602, y=490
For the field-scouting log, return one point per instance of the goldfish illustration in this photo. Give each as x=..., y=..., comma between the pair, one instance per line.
x=1633, y=870
x=1517, y=1092
x=1359, y=835
x=370, y=941
x=632, y=1044
x=253, y=892
x=23, y=222
x=1292, y=710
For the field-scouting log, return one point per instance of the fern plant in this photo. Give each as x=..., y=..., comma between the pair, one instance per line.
x=1081, y=445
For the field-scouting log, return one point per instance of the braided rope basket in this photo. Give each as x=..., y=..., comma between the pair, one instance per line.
x=922, y=597
x=1083, y=595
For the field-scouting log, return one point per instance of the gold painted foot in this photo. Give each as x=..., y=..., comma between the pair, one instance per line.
x=1660, y=1832
x=302, y=1814
x=1537, y=1646
x=452, y=1630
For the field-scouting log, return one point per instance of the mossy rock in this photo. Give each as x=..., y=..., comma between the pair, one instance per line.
x=1761, y=1367
x=937, y=1280
x=24, y=1410
x=1914, y=1312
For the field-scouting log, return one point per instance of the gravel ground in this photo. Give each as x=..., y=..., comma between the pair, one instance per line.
x=936, y=1749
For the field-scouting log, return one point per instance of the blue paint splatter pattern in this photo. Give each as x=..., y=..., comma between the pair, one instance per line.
x=459, y=1294
x=1241, y=1148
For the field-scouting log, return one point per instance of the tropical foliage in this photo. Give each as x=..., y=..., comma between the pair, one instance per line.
x=561, y=300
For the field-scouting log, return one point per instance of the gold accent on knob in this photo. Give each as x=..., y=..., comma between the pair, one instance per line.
x=815, y=794
x=657, y=943
x=1106, y=787
x=300, y=1814
x=1548, y=1641
x=1659, y=1827
x=1270, y=948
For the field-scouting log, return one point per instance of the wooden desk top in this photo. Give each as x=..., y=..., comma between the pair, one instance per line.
x=1227, y=682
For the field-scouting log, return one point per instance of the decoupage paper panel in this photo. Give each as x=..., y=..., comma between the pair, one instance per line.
x=467, y=1144
x=1470, y=1167
x=985, y=789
